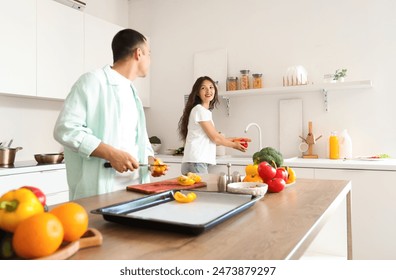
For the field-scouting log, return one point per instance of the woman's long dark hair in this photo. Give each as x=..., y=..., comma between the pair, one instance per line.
x=193, y=100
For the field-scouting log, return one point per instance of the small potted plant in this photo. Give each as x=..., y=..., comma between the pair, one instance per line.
x=340, y=75
x=155, y=143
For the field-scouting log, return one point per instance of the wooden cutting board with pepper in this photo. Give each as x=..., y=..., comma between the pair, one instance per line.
x=162, y=186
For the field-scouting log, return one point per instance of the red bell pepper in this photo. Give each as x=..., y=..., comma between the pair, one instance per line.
x=38, y=193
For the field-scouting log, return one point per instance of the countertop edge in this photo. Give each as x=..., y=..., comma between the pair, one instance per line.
x=4, y=171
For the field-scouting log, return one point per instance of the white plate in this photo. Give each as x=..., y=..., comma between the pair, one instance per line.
x=253, y=188
x=370, y=158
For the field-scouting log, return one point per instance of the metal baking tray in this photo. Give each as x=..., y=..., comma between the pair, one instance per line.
x=161, y=211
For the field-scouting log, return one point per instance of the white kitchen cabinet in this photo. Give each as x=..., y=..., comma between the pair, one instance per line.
x=53, y=183
x=306, y=173
x=98, y=36
x=60, y=44
x=222, y=168
x=18, y=47
x=373, y=211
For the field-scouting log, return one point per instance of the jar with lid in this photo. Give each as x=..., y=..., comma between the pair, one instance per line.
x=244, y=81
x=232, y=83
x=257, y=80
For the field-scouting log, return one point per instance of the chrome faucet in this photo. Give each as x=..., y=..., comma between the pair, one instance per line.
x=259, y=131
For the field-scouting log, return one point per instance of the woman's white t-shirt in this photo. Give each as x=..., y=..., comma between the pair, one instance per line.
x=198, y=147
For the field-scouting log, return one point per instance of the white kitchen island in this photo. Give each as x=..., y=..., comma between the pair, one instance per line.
x=373, y=193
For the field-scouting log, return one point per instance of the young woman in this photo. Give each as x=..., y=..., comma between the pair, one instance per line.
x=197, y=130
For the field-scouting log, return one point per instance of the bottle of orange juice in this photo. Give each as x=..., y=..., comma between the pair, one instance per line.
x=334, y=148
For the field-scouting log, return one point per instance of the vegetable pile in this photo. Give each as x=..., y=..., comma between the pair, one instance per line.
x=29, y=230
x=268, y=167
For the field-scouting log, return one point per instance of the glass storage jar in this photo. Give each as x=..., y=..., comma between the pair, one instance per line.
x=257, y=80
x=232, y=83
x=244, y=81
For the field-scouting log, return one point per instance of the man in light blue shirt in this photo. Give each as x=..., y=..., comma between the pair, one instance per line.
x=102, y=120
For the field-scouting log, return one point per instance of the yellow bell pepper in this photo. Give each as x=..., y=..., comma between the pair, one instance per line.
x=291, y=178
x=16, y=206
x=185, y=181
x=194, y=176
x=252, y=174
x=179, y=197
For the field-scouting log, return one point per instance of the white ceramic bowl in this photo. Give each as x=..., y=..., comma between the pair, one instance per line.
x=156, y=148
x=253, y=188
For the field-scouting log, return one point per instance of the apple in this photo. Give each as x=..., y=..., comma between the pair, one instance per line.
x=276, y=185
x=266, y=171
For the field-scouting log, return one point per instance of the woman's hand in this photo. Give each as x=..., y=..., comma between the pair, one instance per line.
x=242, y=141
x=239, y=146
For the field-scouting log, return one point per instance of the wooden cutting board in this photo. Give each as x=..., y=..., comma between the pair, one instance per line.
x=92, y=237
x=162, y=186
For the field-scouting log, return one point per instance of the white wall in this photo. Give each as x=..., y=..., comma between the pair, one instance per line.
x=268, y=36
x=262, y=35
x=30, y=121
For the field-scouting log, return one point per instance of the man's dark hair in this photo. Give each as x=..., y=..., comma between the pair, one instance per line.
x=125, y=42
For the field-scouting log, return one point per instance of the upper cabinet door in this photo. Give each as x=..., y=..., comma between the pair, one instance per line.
x=97, y=48
x=98, y=53
x=60, y=44
x=18, y=47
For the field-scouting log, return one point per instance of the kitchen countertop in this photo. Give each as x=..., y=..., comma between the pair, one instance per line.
x=28, y=167
x=380, y=164
x=267, y=230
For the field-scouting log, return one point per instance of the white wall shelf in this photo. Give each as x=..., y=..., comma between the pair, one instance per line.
x=322, y=88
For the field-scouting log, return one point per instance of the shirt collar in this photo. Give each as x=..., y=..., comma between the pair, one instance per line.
x=116, y=78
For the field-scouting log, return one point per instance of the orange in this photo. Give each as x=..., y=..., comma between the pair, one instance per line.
x=38, y=236
x=74, y=219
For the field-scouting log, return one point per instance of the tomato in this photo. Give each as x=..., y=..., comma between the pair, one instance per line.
x=281, y=173
x=266, y=171
x=276, y=185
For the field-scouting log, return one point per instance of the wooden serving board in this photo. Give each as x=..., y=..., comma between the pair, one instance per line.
x=92, y=237
x=162, y=186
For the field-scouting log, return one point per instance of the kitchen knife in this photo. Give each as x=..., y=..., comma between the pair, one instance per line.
x=108, y=164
